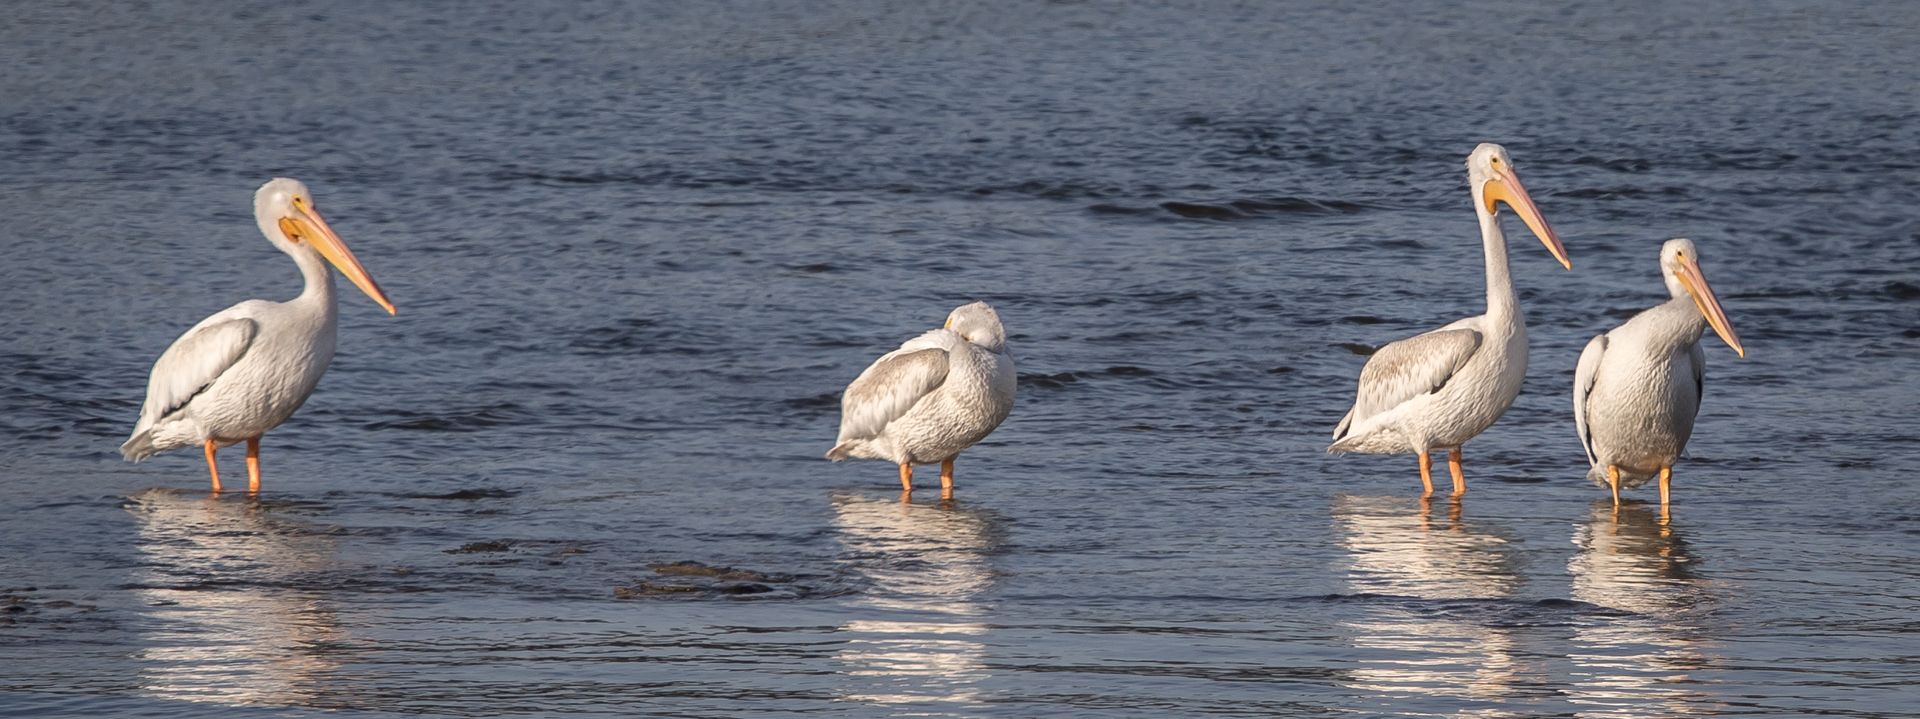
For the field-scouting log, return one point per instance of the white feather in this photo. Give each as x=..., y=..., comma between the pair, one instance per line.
x=1583, y=376
x=188, y=367
x=893, y=384
x=1415, y=366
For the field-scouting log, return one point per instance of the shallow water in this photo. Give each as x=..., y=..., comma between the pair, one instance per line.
x=638, y=248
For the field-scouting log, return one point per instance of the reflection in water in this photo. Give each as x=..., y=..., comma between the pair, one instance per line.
x=1414, y=551
x=230, y=621
x=1633, y=559
x=925, y=565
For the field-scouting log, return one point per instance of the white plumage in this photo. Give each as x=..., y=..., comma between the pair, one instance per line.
x=936, y=395
x=1638, y=387
x=1439, y=389
x=247, y=368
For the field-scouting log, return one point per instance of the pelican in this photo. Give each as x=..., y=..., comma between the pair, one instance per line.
x=246, y=369
x=1638, y=387
x=935, y=396
x=1439, y=389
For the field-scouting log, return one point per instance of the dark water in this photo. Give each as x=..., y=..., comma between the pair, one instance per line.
x=638, y=247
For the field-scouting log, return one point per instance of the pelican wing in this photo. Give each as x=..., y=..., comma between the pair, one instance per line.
x=1697, y=361
x=1583, y=376
x=1407, y=369
x=1699, y=357
x=193, y=362
x=890, y=387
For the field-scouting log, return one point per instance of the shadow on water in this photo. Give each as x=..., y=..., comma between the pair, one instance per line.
x=1632, y=558
x=1439, y=585
x=230, y=619
x=923, y=643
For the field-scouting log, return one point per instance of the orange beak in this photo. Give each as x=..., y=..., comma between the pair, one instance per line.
x=1696, y=284
x=306, y=224
x=1505, y=187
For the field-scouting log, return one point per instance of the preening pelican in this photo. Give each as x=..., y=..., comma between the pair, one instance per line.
x=1638, y=387
x=937, y=395
x=246, y=369
x=1439, y=389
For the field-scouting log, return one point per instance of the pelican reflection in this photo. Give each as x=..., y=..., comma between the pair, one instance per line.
x=1635, y=560
x=925, y=565
x=1428, y=636
x=228, y=622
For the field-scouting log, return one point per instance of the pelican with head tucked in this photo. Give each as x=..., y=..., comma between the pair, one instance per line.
x=938, y=394
x=1437, y=390
x=246, y=369
x=1637, y=387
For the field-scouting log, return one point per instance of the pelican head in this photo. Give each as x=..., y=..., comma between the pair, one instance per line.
x=1491, y=173
x=284, y=209
x=979, y=324
x=1680, y=265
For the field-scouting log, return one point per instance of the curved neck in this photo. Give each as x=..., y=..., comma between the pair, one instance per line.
x=313, y=268
x=314, y=272
x=1501, y=301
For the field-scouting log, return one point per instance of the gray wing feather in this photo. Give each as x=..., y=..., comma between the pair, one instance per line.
x=890, y=387
x=1409, y=368
x=193, y=362
x=1583, y=377
x=1699, y=374
x=1697, y=357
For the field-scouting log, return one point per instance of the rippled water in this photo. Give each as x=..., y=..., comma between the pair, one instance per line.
x=638, y=247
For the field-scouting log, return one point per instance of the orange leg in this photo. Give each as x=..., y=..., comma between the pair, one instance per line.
x=213, y=467
x=906, y=478
x=1426, y=474
x=253, y=465
x=1613, y=480
x=946, y=479
x=1666, y=481
x=1453, y=467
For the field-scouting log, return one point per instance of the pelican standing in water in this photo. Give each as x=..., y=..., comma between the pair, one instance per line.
x=1439, y=389
x=246, y=369
x=1637, y=387
x=937, y=395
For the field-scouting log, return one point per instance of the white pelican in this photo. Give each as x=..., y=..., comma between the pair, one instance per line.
x=1439, y=389
x=1637, y=387
x=245, y=370
x=937, y=395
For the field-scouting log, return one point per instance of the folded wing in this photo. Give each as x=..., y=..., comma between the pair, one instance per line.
x=1583, y=376
x=1407, y=369
x=187, y=368
x=890, y=387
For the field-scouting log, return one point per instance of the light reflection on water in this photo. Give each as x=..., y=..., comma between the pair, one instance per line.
x=1634, y=559
x=927, y=563
x=1412, y=550
x=230, y=620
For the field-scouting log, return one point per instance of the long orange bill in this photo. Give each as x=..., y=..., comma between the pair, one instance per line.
x=307, y=224
x=1696, y=284
x=1505, y=187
